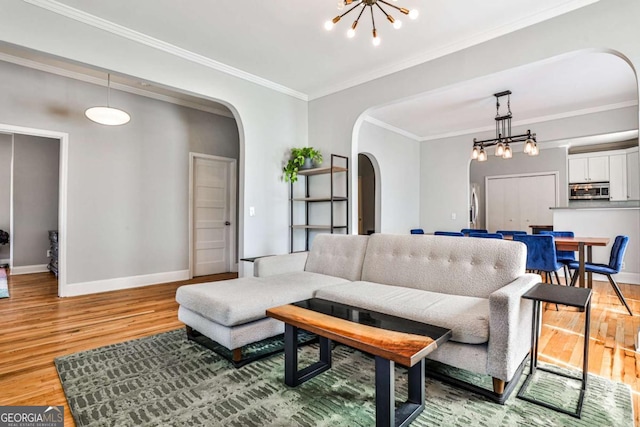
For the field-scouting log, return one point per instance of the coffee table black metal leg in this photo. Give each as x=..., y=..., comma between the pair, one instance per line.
x=385, y=393
x=293, y=377
x=386, y=413
x=290, y=355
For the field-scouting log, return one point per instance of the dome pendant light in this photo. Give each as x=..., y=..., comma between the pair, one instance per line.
x=107, y=115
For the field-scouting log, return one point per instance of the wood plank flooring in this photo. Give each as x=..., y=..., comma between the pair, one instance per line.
x=37, y=326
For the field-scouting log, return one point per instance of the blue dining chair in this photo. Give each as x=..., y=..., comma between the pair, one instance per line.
x=615, y=265
x=563, y=257
x=487, y=235
x=466, y=231
x=510, y=232
x=448, y=233
x=417, y=231
x=541, y=254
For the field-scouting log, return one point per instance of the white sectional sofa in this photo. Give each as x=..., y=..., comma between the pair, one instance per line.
x=471, y=286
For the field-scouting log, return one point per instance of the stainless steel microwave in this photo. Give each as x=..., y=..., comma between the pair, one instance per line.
x=590, y=191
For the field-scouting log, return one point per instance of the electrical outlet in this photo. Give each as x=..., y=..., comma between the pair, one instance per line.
x=453, y=216
x=623, y=265
x=252, y=211
x=48, y=253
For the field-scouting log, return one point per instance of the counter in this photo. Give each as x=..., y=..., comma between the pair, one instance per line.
x=601, y=204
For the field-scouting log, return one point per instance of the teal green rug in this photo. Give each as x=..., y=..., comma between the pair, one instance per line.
x=166, y=380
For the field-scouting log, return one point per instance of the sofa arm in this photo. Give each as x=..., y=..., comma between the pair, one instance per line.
x=510, y=319
x=279, y=264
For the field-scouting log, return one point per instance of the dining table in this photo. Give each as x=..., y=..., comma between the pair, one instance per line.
x=584, y=247
x=579, y=244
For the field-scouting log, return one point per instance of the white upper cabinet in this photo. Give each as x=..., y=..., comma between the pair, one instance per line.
x=588, y=169
x=618, y=177
x=633, y=174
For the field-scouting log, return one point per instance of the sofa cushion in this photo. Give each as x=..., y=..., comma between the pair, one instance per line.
x=451, y=265
x=238, y=301
x=337, y=255
x=467, y=317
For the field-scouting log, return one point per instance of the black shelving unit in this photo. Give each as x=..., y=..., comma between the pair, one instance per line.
x=338, y=165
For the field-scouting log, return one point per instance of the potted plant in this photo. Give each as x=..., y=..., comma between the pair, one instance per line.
x=301, y=158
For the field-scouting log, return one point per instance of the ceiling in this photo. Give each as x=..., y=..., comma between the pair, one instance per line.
x=283, y=45
x=285, y=42
x=563, y=87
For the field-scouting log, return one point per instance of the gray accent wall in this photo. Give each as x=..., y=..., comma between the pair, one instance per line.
x=549, y=160
x=5, y=189
x=367, y=178
x=128, y=186
x=35, y=198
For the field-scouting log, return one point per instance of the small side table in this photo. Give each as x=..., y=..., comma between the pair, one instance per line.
x=565, y=295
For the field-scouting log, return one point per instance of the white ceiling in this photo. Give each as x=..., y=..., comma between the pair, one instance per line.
x=284, y=41
x=283, y=45
x=567, y=86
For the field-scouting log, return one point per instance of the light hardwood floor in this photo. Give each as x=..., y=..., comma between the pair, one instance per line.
x=37, y=326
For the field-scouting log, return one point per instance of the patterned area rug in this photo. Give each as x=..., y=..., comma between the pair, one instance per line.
x=165, y=380
x=4, y=287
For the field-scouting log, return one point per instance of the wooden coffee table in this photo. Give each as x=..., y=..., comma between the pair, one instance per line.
x=390, y=339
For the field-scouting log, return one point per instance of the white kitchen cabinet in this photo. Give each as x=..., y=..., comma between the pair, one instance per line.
x=618, y=177
x=588, y=168
x=633, y=175
x=578, y=170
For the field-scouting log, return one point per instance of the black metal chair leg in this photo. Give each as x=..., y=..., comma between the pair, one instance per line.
x=615, y=287
x=574, y=278
x=557, y=277
x=567, y=275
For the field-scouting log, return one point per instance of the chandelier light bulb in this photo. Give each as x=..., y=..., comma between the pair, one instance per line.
x=328, y=25
x=528, y=146
x=507, y=153
x=475, y=152
x=534, y=150
x=376, y=39
x=397, y=24
x=351, y=33
x=482, y=156
x=499, y=149
x=413, y=14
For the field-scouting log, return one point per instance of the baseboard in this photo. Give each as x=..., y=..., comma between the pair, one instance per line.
x=4, y=261
x=85, y=288
x=28, y=269
x=622, y=277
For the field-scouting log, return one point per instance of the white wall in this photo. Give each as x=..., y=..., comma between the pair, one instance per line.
x=270, y=122
x=607, y=24
x=399, y=180
x=606, y=223
x=6, y=147
x=35, y=198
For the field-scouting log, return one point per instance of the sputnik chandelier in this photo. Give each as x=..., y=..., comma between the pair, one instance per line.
x=362, y=5
x=503, y=137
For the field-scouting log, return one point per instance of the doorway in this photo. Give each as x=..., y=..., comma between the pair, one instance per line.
x=366, y=195
x=212, y=214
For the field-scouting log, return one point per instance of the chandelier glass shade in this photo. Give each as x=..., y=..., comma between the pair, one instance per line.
x=108, y=115
x=503, y=140
x=361, y=6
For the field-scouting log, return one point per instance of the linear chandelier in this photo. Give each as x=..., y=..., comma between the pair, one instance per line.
x=362, y=5
x=503, y=137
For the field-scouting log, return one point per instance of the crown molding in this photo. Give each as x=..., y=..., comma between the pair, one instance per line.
x=103, y=82
x=534, y=120
x=119, y=30
x=391, y=128
x=453, y=47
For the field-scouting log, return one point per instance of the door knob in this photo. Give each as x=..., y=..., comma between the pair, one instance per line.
x=227, y=223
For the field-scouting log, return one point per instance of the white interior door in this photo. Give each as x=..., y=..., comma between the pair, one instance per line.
x=211, y=216
x=516, y=202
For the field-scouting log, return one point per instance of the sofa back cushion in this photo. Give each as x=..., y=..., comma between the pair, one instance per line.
x=338, y=255
x=451, y=265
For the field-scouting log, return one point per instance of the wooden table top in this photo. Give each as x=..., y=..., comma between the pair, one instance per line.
x=572, y=243
x=404, y=348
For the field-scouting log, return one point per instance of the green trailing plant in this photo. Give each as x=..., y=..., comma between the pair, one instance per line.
x=295, y=163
